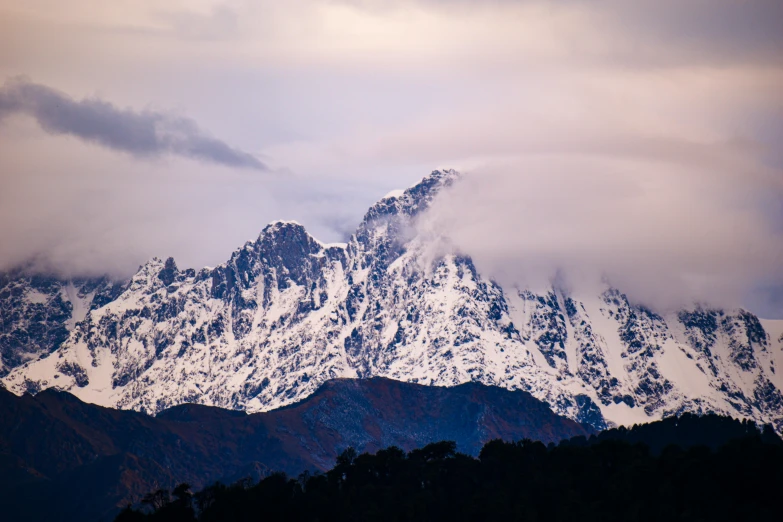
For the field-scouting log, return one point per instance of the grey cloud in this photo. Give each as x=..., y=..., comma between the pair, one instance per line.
x=702, y=31
x=139, y=133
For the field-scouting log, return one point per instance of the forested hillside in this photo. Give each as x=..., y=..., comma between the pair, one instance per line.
x=708, y=468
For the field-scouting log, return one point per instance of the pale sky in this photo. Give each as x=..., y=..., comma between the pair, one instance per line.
x=132, y=129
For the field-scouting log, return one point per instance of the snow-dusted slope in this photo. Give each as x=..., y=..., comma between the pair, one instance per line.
x=287, y=312
x=37, y=313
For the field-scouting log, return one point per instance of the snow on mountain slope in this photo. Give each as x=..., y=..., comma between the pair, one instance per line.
x=38, y=312
x=286, y=313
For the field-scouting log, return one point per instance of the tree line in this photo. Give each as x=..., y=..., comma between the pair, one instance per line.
x=689, y=468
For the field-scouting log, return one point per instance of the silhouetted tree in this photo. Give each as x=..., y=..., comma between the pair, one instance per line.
x=682, y=469
x=128, y=514
x=156, y=499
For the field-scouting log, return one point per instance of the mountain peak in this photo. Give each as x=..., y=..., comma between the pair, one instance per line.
x=287, y=234
x=441, y=176
x=414, y=199
x=281, y=224
x=169, y=272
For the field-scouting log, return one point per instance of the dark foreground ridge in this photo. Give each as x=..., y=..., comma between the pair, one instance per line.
x=87, y=461
x=720, y=469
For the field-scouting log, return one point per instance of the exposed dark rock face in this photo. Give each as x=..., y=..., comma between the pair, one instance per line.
x=38, y=313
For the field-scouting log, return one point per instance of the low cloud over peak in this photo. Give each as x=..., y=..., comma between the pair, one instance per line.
x=139, y=133
x=668, y=236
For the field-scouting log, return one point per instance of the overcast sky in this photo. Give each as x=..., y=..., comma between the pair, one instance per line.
x=643, y=140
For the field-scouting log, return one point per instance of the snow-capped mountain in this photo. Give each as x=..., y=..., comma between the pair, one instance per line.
x=286, y=313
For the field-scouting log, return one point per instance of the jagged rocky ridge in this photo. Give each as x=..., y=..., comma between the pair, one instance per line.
x=286, y=313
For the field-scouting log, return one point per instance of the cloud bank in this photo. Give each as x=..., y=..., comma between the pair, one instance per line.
x=668, y=236
x=664, y=115
x=139, y=133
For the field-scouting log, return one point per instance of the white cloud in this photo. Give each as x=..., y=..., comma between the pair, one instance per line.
x=667, y=234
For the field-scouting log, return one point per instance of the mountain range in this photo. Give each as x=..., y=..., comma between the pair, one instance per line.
x=87, y=461
x=287, y=313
